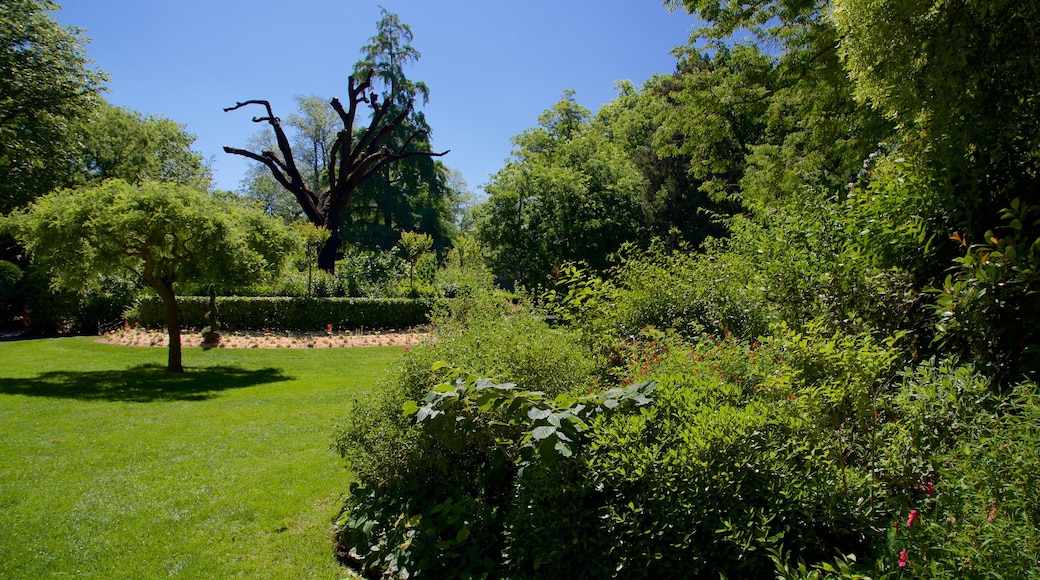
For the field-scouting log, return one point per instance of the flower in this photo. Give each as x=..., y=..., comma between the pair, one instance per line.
x=903, y=561
x=992, y=514
x=931, y=489
x=910, y=519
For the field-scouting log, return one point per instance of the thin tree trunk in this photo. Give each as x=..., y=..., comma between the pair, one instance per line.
x=173, y=329
x=163, y=286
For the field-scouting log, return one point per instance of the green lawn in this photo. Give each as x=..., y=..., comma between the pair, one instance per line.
x=112, y=468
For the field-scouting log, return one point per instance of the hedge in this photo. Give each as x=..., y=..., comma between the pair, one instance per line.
x=288, y=313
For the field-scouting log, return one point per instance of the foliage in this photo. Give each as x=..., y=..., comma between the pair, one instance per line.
x=47, y=85
x=163, y=230
x=415, y=247
x=978, y=517
x=959, y=79
x=569, y=194
x=405, y=469
x=154, y=233
x=487, y=433
x=10, y=275
x=122, y=144
x=464, y=271
x=291, y=313
x=983, y=303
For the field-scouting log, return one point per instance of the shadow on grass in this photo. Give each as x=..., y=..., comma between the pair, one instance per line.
x=141, y=384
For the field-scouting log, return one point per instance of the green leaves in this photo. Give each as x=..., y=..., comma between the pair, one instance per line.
x=47, y=87
x=523, y=424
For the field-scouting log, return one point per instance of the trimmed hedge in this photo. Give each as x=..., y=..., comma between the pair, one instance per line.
x=288, y=313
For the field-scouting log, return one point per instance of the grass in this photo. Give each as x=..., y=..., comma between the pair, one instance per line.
x=112, y=468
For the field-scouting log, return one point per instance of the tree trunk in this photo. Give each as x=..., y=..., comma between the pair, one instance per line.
x=173, y=329
x=330, y=253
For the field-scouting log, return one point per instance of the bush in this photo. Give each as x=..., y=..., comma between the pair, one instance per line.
x=417, y=483
x=303, y=314
x=64, y=311
x=982, y=516
x=961, y=469
x=10, y=274
x=750, y=449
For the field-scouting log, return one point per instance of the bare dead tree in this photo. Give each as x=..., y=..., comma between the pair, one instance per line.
x=351, y=162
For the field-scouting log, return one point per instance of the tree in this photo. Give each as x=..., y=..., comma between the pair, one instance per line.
x=569, y=194
x=415, y=246
x=46, y=86
x=313, y=130
x=158, y=233
x=814, y=135
x=356, y=154
x=123, y=144
x=961, y=80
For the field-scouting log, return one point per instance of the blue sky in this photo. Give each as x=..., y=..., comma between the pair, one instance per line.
x=492, y=66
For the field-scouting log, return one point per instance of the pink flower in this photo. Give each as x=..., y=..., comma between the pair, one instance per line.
x=328, y=327
x=903, y=560
x=931, y=489
x=992, y=513
x=910, y=519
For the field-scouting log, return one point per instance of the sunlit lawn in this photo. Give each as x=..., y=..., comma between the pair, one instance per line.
x=112, y=468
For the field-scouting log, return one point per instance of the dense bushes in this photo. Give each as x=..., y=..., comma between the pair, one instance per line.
x=791, y=454
x=306, y=314
x=432, y=497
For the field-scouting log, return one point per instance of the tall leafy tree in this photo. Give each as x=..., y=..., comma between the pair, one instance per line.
x=414, y=193
x=569, y=194
x=123, y=144
x=161, y=234
x=815, y=134
x=46, y=85
x=357, y=154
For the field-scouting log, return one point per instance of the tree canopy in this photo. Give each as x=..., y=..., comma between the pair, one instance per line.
x=568, y=194
x=118, y=143
x=160, y=234
x=47, y=85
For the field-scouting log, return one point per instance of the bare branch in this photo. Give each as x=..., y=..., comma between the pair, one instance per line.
x=289, y=165
x=308, y=201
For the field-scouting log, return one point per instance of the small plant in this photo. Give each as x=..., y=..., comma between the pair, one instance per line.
x=415, y=246
x=211, y=333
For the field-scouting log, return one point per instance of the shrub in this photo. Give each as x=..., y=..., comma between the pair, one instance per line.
x=417, y=482
x=962, y=474
x=10, y=274
x=988, y=308
x=750, y=449
x=453, y=519
x=64, y=311
x=981, y=517
x=305, y=314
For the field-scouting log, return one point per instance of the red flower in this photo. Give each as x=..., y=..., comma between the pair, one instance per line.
x=903, y=560
x=911, y=518
x=931, y=489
